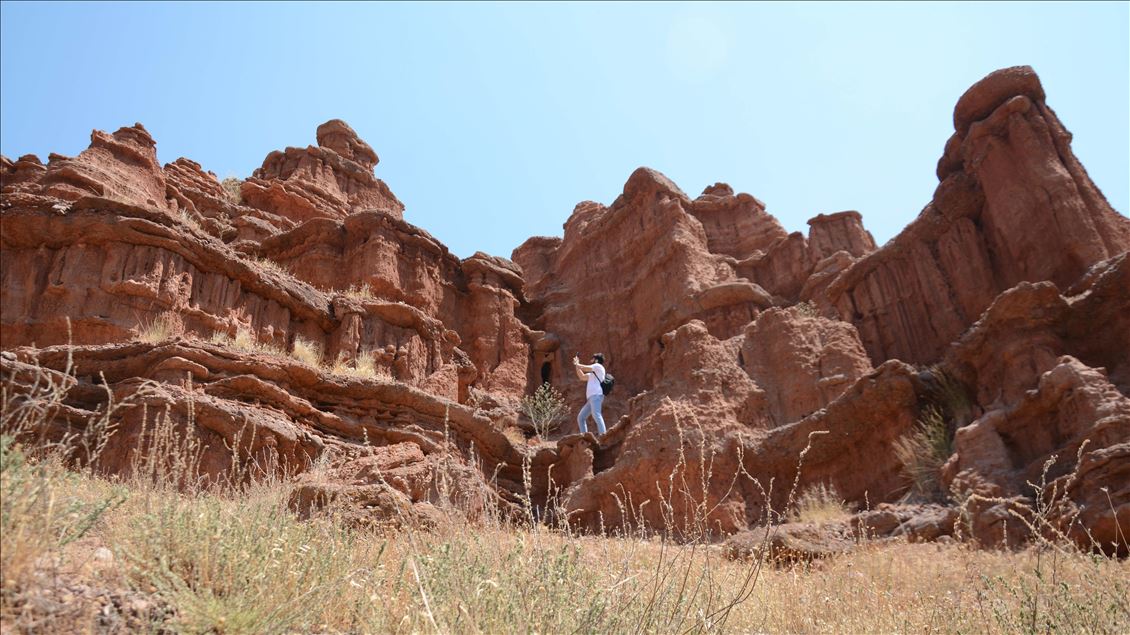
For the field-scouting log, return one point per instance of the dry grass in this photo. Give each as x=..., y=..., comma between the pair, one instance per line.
x=245, y=341
x=364, y=293
x=923, y=451
x=227, y=558
x=363, y=366
x=307, y=352
x=820, y=504
x=244, y=564
x=231, y=187
x=266, y=264
x=806, y=309
x=165, y=326
x=190, y=219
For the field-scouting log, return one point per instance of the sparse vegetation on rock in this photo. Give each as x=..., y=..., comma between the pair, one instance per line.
x=544, y=408
x=231, y=187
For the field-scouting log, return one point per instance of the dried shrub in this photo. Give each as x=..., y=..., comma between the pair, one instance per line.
x=231, y=187
x=806, y=308
x=364, y=292
x=245, y=341
x=266, y=264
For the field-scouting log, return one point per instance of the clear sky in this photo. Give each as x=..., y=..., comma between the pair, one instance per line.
x=493, y=120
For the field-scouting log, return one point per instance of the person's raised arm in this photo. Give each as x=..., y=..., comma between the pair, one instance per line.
x=581, y=369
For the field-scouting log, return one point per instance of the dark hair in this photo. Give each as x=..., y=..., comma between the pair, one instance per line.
x=599, y=357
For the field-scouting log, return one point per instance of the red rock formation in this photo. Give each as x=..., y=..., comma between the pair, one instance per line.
x=1013, y=205
x=625, y=275
x=680, y=450
x=1041, y=403
x=842, y=231
x=735, y=225
x=121, y=166
x=1014, y=278
x=395, y=484
x=111, y=267
x=117, y=267
x=802, y=362
x=21, y=174
x=294, y=412
x=702, y=451
x=333, y=179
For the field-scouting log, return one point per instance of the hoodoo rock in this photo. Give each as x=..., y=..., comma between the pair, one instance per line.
x=842, y=231
x=336, y=135
x=333, y=179
x=1014, y=205
x=298, y=324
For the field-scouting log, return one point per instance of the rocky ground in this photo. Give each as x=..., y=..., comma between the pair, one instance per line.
x=296, y=323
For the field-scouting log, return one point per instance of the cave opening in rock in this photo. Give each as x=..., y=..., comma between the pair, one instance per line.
x=546, y=372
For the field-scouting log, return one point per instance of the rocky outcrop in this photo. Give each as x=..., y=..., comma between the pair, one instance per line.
x=333, y=179
x=22, y=174
x=395, y=484
x=790, y=543
x=1014, y=205
x=623, y=276
x=799, y=542
x=381, y=372
x=121, y=166
x=370, y=285
x=702, y=451
x=1048, y=416
x=735, y=225
x=110, y=267
x=802, y=362
x=842, y=231
x=679, y=449
x=292, y=412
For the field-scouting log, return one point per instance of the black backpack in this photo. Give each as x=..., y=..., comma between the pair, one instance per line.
x=608, y=383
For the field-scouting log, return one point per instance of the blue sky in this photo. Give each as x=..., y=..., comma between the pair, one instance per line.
x=493, y=120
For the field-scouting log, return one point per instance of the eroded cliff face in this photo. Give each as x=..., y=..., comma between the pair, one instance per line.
x=1013, y=205
x=100, y=264
x=304, y=308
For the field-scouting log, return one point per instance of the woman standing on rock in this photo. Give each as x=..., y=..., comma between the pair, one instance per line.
x=594, y=378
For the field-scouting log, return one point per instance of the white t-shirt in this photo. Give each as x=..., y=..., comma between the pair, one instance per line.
x=595, y=377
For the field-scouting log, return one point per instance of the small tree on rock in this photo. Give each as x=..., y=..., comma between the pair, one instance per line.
x=544, y=409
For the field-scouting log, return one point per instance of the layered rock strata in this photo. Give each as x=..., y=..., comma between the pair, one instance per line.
x=375, y=368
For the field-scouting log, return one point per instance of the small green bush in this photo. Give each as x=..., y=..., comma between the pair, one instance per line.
x=544, y=409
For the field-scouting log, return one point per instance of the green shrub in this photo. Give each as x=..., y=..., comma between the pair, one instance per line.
x=544, y=408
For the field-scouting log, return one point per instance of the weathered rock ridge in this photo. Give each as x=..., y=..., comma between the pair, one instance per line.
x=300, y=305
